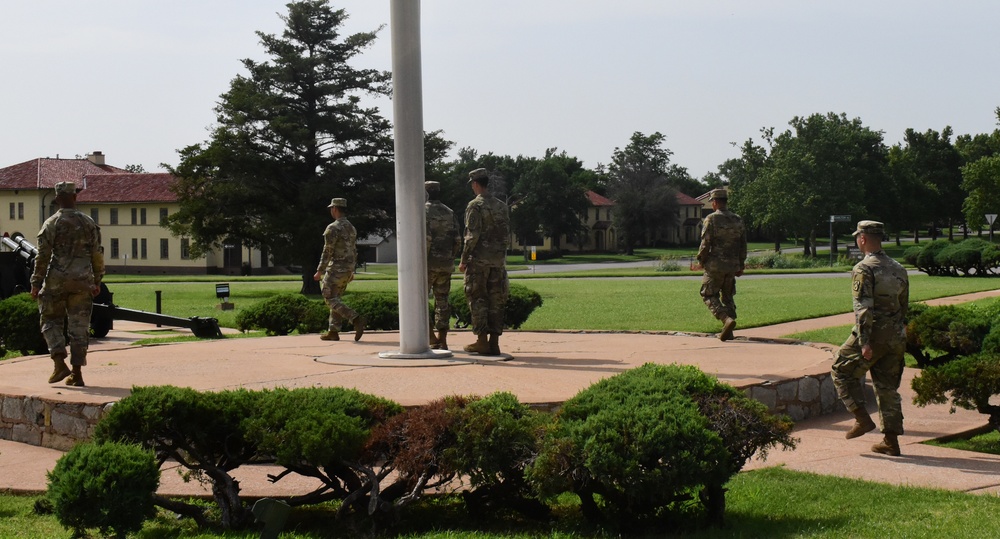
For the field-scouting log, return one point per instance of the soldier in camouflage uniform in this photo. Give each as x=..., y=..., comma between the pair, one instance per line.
x=723, y=253
x=336, y=269
x=443, y=245
x=484, y=263
x=881, y=291
x=67, y=276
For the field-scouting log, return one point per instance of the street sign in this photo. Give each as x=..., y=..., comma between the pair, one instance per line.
x=840, y=218
x=990, y=217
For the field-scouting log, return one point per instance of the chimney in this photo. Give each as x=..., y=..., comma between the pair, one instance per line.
x=97, y=157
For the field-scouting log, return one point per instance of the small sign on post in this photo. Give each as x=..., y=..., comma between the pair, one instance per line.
x=222, y=292
x=836, y=219
x=990, y=217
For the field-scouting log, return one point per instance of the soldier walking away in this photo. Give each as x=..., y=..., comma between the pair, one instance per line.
x=881, y=291
x=67, y=277
x=723, y=254
x=336, y=269
x=484, y=263
x=443, y=245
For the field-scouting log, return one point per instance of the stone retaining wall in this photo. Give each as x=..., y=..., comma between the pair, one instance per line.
x=60, y=425
x=37, y=421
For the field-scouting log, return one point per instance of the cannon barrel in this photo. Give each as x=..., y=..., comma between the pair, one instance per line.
x=21, y=246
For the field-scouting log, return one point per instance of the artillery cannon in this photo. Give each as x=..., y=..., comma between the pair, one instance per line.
x=17, y=265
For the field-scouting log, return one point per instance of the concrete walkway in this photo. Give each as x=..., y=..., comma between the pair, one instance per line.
x=548, y=368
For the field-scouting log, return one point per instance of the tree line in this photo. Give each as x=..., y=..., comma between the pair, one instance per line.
x=293, y=131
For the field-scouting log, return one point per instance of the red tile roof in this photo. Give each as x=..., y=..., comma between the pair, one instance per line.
x=97, y=183
x=128, y=187
x=598, y=200
x=685, y=200
x=45, y=173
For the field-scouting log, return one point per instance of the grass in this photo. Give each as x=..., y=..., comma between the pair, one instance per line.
x=982, y=443
x=771, y=502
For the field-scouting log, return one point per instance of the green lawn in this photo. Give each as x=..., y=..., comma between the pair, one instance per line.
x=772, y=502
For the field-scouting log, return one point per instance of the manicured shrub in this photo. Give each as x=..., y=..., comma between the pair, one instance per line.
x=496, y=439
x=911, y=254
x=316, y=318
x=941, y=334
x=973, y=256
x=650, y=440
x=202, y=431
x=970, y=383
x=959, y=259
x=380, y=308
x=277, y=315
x=20, y=328
x=521, y=302
x=107, y=486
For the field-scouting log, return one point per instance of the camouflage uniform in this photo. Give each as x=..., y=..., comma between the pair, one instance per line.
x=443, y=245
x=881, y=297
x=722, y=254
x=487, y=228
x=337, y=266
x=69, y=264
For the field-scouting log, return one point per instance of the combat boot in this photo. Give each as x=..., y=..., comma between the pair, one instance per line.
x=862, y=424
x=494, y=344
x=434, y=340
x=360, y=323
x=442, y=340
x=481, y=346
x=888, y=446
x=727, y=329
x=330, y=336
x=76, y=378
x=61, y=371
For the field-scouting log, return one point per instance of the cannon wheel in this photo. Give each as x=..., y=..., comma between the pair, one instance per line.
x=100, y=323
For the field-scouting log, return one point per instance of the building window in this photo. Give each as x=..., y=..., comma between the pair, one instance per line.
x=20, y=210
x=12, y=214
x=114, y=248
x=185, y=249
x=135, y=248
x=142, y=216
x=135, y=216
x=164, y=248
x=114, y=216
x=163, y=216
x=94, y=214
x=142, y=253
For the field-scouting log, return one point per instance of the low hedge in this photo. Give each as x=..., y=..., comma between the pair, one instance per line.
x=521, y=302
x=645, y=443
x=970, y=257
x=20, y=328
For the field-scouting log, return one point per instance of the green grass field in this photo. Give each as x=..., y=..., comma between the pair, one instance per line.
x=772, y=502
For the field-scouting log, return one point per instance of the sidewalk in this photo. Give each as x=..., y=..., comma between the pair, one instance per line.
x=548, y=368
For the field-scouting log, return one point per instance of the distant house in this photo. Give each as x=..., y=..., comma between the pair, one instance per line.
x=378, y=249
x=129, y=208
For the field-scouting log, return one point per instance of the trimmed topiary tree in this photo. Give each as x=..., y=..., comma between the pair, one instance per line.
x=969, y=383
x=107, y=486
x=936, y=335
x=201, y=431
x=650, y=440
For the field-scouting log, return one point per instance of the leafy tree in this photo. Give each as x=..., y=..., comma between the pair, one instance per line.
x=980, y=175
x=823, y=165
x=550, y=198
x=927, y=175
x=749, y=193
x=135, y=169
x=290, y=135
x=637, y=180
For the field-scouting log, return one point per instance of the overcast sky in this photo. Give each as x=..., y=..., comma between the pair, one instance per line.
x=138, y=79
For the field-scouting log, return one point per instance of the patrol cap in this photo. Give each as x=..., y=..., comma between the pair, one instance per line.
x=65, y=188
x=338, y=203
x=720, y=194
x=479, y=176
x=432, y=186
x=870, y=227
